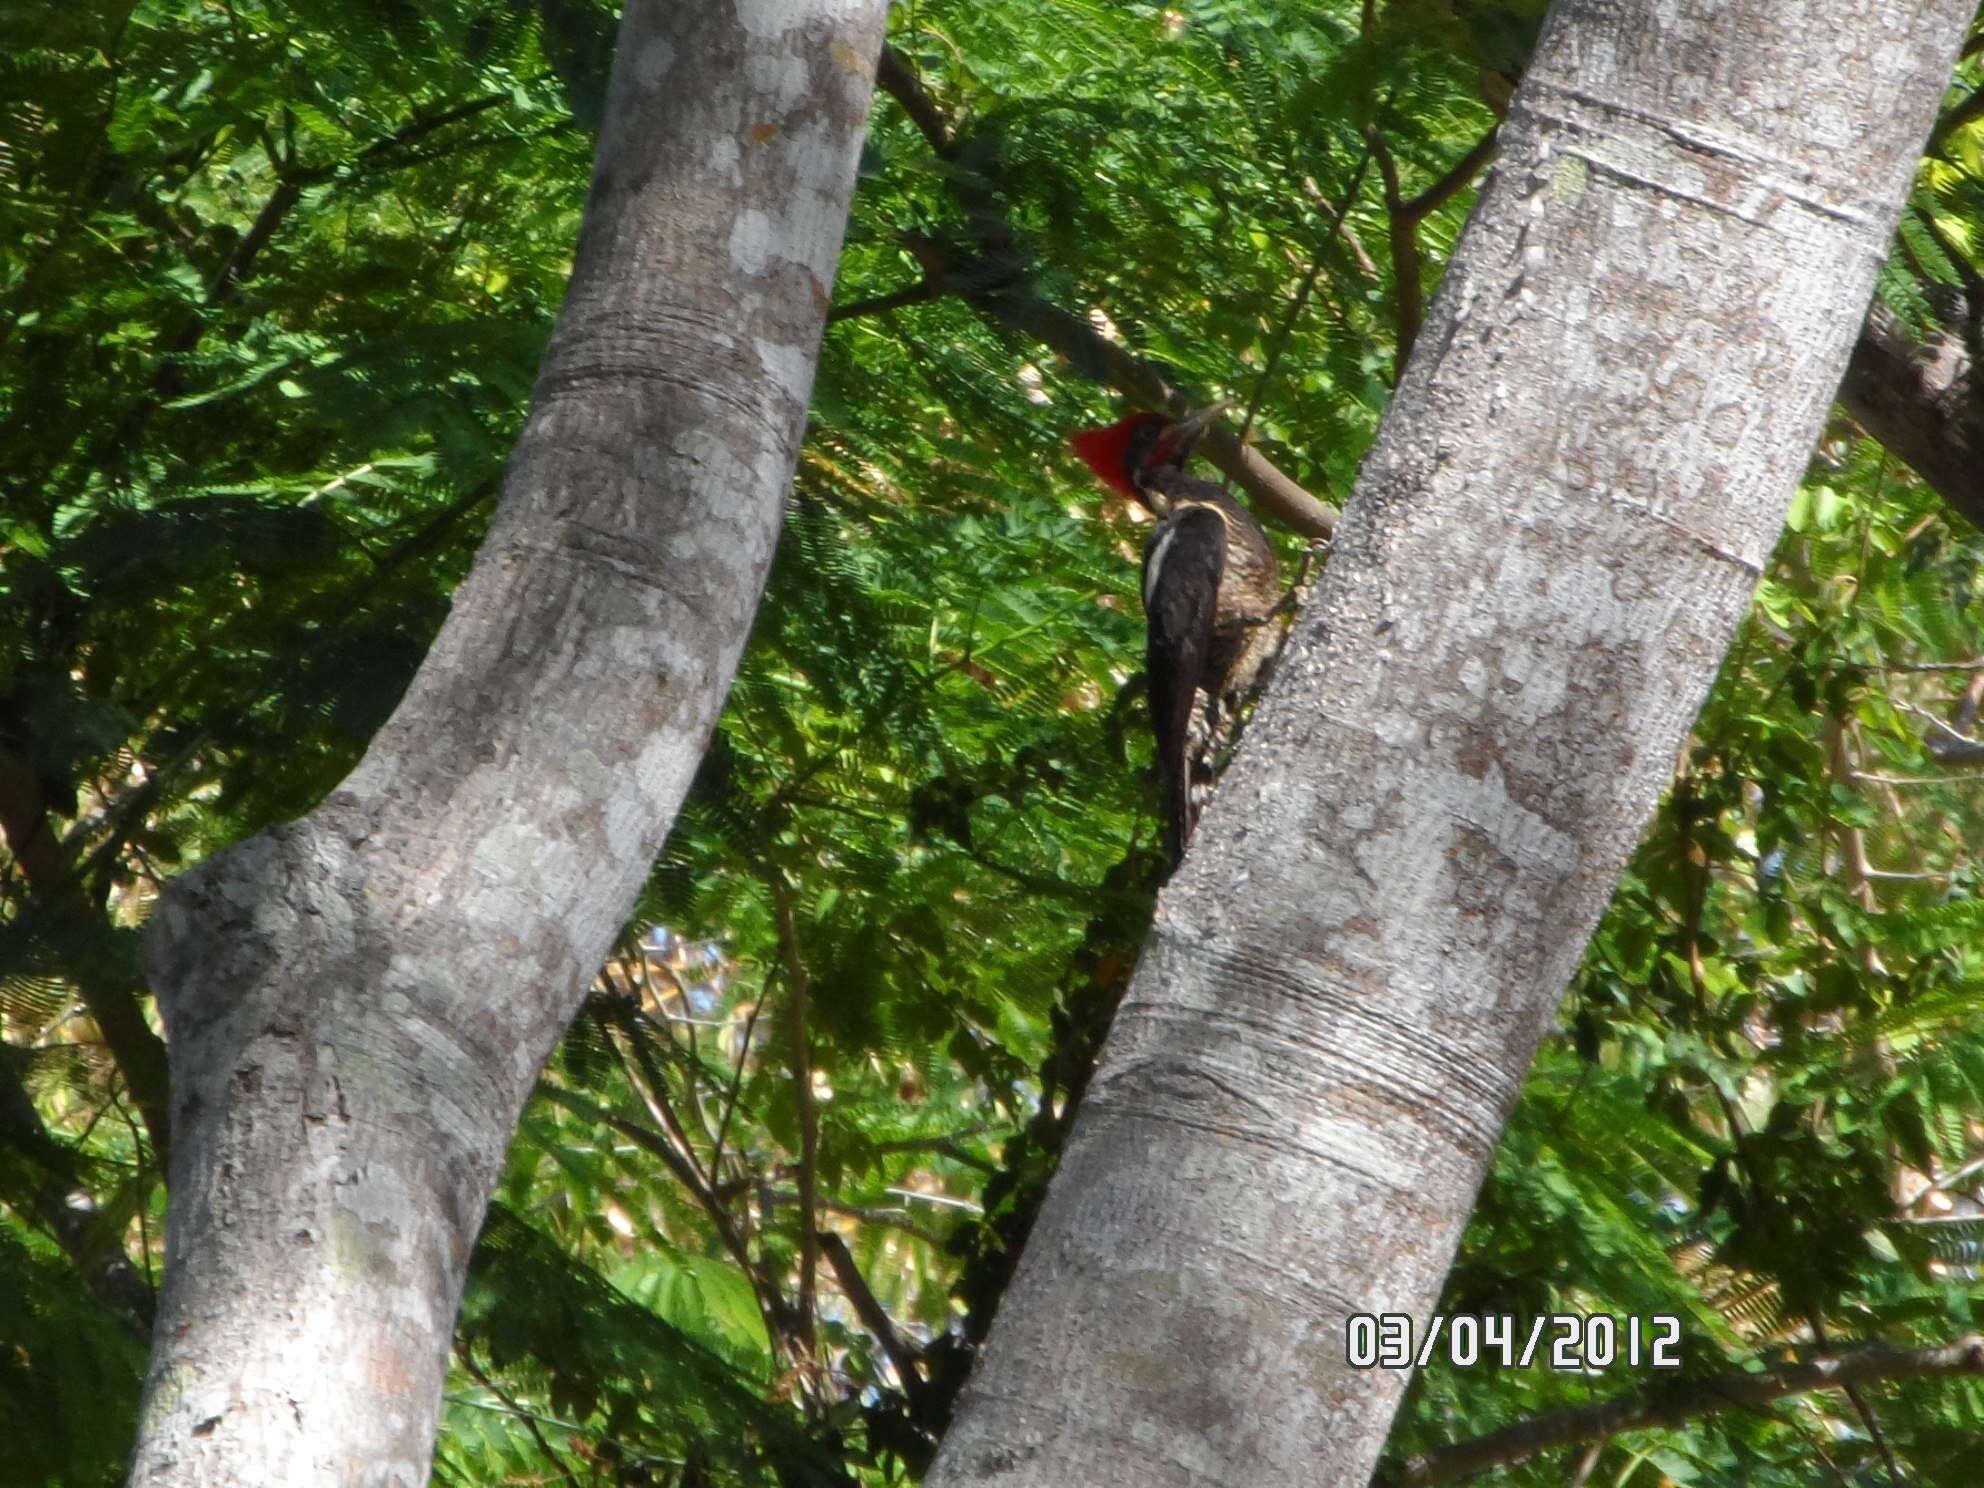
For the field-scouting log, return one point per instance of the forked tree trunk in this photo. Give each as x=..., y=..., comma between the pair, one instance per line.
x=1559, y=528
x=358, y=1002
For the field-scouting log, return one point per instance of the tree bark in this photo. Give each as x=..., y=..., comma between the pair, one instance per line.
x=1561, y=523
x=358, y=1002
x=1919, y=402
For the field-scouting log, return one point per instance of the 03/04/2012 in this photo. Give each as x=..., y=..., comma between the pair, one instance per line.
x=1578, y=1342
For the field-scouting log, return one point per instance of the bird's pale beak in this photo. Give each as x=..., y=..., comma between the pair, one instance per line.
x=1186, y=430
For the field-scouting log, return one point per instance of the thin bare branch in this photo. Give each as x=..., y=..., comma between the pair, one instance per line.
x=895, y=77
x=1964, y=113
x=1301, y=300
x=1675, y=1407
x=1459, y=174
x=777, y=1313
x=1408, y=271
x=797, y=990
x=875, y=1318
x=475, y=1371
x=916, y=294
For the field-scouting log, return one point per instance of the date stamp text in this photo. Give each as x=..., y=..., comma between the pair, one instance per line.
x=1573, y=1342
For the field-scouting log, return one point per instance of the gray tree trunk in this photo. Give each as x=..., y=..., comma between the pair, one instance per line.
x=1559, y=528
x=358, y=1002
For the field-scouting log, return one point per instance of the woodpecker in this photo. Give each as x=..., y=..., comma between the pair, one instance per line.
x=1211, y=590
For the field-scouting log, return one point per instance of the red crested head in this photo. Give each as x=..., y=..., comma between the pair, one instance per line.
x=1117, y=452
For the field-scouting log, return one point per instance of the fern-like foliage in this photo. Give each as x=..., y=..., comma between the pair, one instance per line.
x=273, y=285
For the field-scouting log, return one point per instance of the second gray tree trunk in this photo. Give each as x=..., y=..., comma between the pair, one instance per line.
x=1554, y=538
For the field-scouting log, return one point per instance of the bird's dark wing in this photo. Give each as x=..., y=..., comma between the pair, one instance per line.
x=1182, y=568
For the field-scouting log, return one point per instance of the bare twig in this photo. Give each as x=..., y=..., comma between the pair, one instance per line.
x=730, y=1096
x=510, y=1403
x=916, y=294
x=797, y=988
x=1945, y=745
x=1301, y=300
x=63, y=896
x=1858, y=1399
x=888, y=1219
x=1408, y=272
x=1459, y=174
x=772, y=1307
x=1964, y=113
x=653, y=1091
x=895, y=77
x=875, y=1318
x=1947, y=1182
x=1405, y=214
x=1674, y=1407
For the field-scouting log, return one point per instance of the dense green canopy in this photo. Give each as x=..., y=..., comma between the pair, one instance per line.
x=273, y=284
